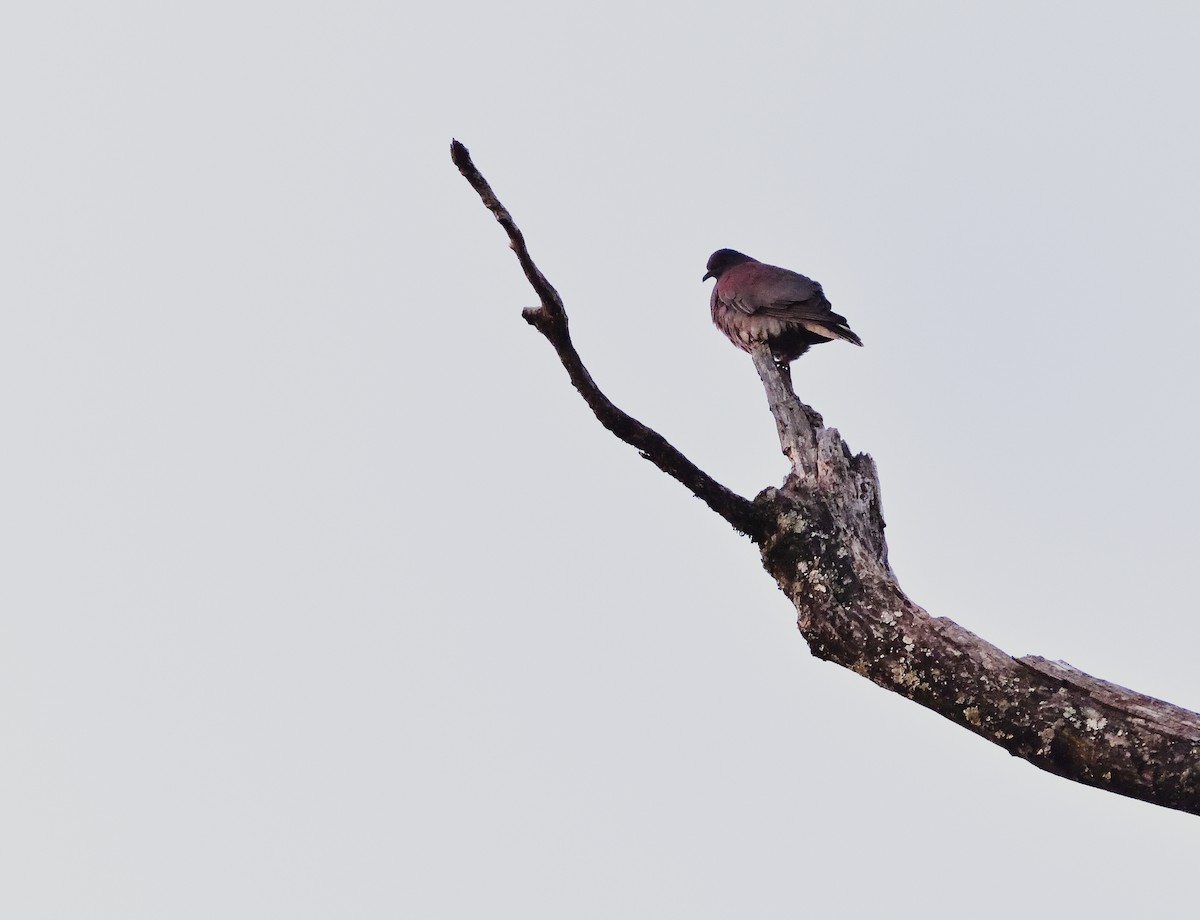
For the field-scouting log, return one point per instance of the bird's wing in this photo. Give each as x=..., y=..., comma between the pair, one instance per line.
x=766, y=290
x=769, y=291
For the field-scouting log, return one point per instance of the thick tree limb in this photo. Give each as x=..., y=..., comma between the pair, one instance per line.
x=821, y=538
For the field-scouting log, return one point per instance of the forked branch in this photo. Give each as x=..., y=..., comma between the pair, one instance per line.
x=821, y=538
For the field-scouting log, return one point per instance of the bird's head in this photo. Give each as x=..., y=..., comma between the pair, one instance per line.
x=722, y=260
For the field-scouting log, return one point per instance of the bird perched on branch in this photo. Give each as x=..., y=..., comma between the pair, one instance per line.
x=752, y=301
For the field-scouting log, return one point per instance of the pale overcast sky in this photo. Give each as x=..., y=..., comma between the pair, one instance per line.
x=326, y=597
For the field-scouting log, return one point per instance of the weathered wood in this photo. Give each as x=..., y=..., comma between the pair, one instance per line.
x=796, y=437
x=825, y=549
x=821, y=536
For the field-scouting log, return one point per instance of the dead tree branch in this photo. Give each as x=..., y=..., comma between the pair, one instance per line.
x=550, y=319
x=821, y=538
x=797, y=439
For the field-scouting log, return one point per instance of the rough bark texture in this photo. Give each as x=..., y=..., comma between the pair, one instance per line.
x=821, y=538
x=797, y=438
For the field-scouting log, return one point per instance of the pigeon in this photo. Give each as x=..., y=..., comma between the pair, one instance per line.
x=752, y=301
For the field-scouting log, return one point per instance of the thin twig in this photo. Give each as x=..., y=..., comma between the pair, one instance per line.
x=550, y=319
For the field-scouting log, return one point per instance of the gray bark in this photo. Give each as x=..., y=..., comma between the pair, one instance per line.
x=821, y=536
x=796, y=437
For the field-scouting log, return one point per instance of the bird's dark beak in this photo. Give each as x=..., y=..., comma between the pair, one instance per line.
x=707, y=275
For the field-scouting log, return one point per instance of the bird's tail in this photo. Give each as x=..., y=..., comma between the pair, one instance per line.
x=833, y=327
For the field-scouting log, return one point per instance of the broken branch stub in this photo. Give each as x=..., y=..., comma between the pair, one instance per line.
x=796, y=438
